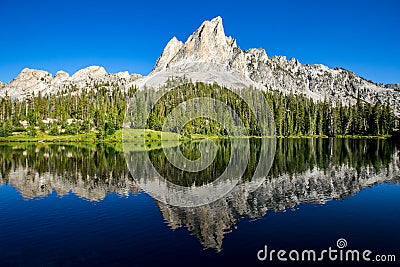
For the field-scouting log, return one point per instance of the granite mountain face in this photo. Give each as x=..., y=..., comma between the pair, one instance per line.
x=208, y=55
x=31, y=81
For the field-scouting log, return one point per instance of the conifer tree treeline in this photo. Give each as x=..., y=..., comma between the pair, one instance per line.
x=66, y=112
x=103, y=110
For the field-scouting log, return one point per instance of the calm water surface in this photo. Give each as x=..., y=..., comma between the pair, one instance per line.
x=72, y=205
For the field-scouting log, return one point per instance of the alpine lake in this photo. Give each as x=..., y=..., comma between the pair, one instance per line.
x=80, y=204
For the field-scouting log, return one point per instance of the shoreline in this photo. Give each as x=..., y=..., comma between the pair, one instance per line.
x=90, y=138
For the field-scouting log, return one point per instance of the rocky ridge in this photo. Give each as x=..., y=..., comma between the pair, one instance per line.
x=31, y=81
x=208, y=55
x=395, y=86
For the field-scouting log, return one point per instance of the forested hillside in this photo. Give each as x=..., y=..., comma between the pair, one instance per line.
x=102, y=110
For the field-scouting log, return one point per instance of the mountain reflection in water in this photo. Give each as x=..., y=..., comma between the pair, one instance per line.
x=303, y=170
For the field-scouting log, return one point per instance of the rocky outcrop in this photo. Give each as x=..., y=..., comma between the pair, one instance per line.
x=31, y=81
x=169, y=52
x=395, y=86
x=210, y=56
x=207, y=44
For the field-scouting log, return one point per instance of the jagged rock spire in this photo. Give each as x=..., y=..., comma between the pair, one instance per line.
x=168, y=53
x=207, y=44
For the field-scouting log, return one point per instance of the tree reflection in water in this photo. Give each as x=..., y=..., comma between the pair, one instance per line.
x=303, y=170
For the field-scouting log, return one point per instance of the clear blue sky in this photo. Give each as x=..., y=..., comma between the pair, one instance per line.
x=363, y=36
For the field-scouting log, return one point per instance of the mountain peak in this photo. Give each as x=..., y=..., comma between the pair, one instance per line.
x=32, y=74
x=168, y=53
x=214, y=26
x=217, y=19
x=61, y=72
x=31, y=81
x=208, y=44
x=28, y=71
x=60, y=77
x=91, y=71
x=210, y=32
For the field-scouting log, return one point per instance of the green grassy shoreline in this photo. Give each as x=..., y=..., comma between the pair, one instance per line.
x=148, y=136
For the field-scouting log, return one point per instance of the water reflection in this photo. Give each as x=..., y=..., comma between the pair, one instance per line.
x=89, y=171
x=233, y=162
x=304, y=170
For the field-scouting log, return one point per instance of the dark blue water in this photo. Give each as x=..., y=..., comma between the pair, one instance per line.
x=84, y=228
